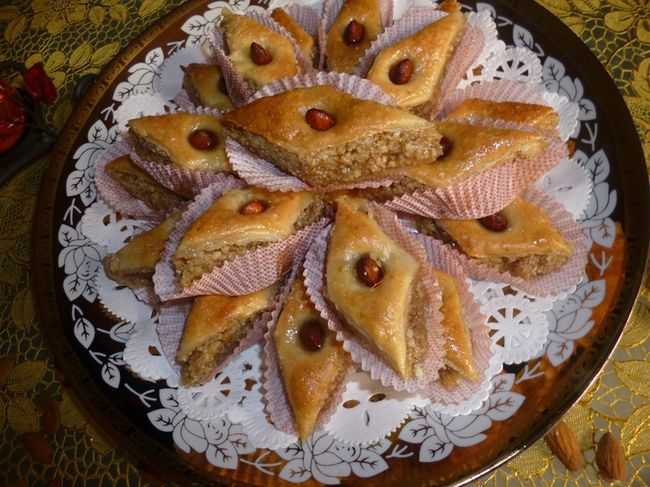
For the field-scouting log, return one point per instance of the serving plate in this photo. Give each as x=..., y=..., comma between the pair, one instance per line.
x=144, y=417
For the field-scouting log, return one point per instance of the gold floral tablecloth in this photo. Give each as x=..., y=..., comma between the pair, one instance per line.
x=45, y=439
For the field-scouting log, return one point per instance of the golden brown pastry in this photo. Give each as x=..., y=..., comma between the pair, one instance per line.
x=311, y=362
x=468, y=150
x=357, y=24
x=458, y=354
x=259, y=54
x=537, y=116
x=141, y=186
x=412, y=69
x=205, y=86
x=304, y=40
x=325, y=136
x=185, y=140
x=373, y=284
x=239, y=221
x=214, y=327
x=134, y=264
x=520, y=240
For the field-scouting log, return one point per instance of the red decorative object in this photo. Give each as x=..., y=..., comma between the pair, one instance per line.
x=39, y=85
x=12, y=117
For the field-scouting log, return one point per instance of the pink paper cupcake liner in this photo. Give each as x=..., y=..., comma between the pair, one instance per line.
x=307, y=17
x=238, y=89
x=515, y=91
x=485, y=193
x=331, y=9
x=171, y=323
x=468, y=50
x=113, y=194
x=361, y=355
x=275, y=398
x=186, y=182
x=466, y=395
x=564, y=279
x=259, y=172
x=244, y=274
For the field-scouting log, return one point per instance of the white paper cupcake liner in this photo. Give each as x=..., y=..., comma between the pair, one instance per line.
x=466, y=396
x=484, y=193
x=244, y=274
x=361, y=355
x=506, y=90
x=238, y=88
x=331, y=9
x=186, y=182
x=113, y=194
x=566, y=278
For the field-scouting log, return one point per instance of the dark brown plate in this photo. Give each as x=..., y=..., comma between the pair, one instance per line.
x=121, y=416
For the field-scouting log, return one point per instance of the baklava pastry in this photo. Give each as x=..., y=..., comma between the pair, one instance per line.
x=140, y=185
x=206, y=86
x=326, y=137
x=310, y=361
x=520, y=240
x=241, y=221
x=185, y=140
x=134, y=264
x=214, y=328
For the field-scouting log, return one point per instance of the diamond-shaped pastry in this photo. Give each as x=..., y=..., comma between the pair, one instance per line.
x=239, y=221
x=458, y=355
x=259, y=54
x=325, y=136
x=311, y=362
x=205, y=86
x=140, y=185
x=474, y=110
x=373, y=284
x=214, y=327
x=520, y=239
x=357, y=24
x=134, y=264
x=186, y=140
x=304, y=40
x=411, y=70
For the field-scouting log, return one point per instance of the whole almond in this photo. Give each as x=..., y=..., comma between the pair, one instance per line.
x=610, y=458
x=259, y=55
x=400, y=73
x=253, y=207
x=319, y=119
x=563, y=443
x=369, y=271
x=571, y=147
x=495, y=223
x=354, y=33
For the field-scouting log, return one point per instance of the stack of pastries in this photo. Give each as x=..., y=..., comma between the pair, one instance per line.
x=326, y=137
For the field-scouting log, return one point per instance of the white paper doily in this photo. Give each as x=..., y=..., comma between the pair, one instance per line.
x=144, y=356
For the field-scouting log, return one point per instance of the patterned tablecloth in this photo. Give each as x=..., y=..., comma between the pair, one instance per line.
x=44, y=438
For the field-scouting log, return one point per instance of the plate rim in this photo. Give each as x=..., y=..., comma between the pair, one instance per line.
x=43, y=264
